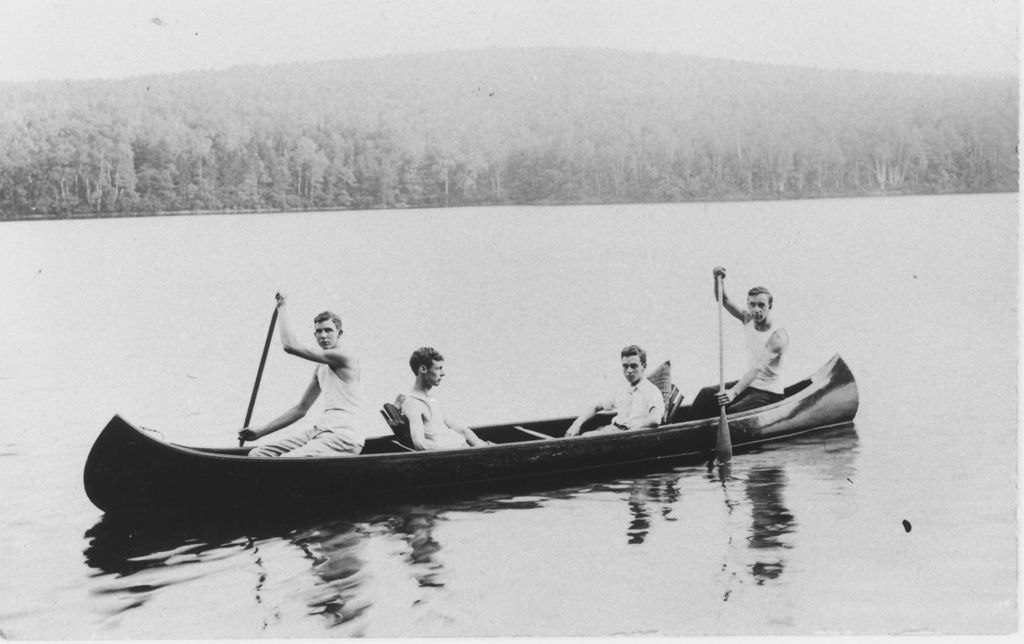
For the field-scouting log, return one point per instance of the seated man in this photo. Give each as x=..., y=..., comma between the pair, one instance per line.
x=639, y=405
x=766, y=345
x=339, y=431
x=428, y=427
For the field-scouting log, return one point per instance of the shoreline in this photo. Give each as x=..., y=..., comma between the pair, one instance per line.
x=252, y=211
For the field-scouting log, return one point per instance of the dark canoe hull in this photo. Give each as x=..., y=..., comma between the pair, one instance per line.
x=131, y=470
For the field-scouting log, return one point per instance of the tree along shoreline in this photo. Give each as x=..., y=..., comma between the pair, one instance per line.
x=82, y=216
x=497, y=127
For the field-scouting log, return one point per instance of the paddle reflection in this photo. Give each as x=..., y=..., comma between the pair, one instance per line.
x=757, y=479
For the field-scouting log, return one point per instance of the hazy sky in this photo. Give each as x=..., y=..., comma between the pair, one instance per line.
x=116, y=38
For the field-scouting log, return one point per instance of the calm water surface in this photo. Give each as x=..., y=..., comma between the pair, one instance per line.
x=162, y=320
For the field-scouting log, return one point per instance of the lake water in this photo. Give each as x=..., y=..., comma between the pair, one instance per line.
x=163, y=319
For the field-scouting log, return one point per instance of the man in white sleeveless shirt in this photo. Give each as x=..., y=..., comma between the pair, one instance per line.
x=766, y=343
x=429, y=428
x=340, y=429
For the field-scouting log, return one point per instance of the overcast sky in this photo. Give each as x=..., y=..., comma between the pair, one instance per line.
x=45, y=39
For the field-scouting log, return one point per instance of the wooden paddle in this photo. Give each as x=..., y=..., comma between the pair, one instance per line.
x=259, y=373
x=723, y=448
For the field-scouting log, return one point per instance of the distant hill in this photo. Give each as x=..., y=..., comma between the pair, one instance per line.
x=496, y=126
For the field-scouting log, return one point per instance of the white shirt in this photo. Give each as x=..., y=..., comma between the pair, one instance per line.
x=343, y=405
x=637, y=405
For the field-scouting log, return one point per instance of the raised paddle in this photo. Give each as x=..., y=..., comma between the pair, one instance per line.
x=259, y=373
x=723, y=447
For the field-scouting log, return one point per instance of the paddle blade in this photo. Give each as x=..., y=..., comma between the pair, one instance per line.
x=723, y=447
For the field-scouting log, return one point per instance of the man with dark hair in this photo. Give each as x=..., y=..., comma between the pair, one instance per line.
x=340, y=430
x=766, y=343
x=429, y=428
x=424, y=357
x=639, y=405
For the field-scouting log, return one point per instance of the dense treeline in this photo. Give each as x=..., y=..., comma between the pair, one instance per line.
x=496, y=126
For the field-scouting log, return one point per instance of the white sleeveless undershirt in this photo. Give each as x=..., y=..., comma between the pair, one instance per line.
x=436, y=433
x=769, y=368
x=343, y=405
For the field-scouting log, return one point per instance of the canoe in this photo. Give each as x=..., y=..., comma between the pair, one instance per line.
x=131, y=469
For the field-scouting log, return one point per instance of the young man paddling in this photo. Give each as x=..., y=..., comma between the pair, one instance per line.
x=429, y=428
x=340, y=430
x=639, y=405
x=766, y=344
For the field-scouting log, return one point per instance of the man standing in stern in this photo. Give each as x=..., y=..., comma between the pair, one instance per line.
x=340, y=429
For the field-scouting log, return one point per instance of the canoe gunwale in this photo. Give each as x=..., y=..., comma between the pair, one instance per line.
x=818, y=379
x=129, y=466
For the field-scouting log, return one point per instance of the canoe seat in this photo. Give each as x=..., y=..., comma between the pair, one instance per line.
x=398, y=423
x=797, y=387
x=675, y=399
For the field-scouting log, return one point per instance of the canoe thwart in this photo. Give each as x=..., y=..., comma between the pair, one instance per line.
x=531, y=432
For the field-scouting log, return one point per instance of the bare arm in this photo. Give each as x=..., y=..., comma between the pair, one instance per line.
x=468, y=433
x=336, y=358
x=730, y=306
x=777, y=343
x=587, y=414
x=287, y=418
x=730, y=394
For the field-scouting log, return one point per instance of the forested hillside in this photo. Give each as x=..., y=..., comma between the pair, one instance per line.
x=493, y=127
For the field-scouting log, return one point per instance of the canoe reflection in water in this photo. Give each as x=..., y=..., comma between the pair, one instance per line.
x=828, y=456
x=143, y=561
x=136, y=562
x=336, y=553
x=385, y=570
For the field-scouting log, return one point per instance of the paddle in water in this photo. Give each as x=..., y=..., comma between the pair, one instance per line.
x=723, y=446
x=259, y=372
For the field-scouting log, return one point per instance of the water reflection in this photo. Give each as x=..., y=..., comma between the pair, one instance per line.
x=350, y=571
x=416, y=526
x=770, y=521
x=661, y=491
x=128, y=550
x=135, y=561
x=829, y=455
x=755, y=481
x=334, y=552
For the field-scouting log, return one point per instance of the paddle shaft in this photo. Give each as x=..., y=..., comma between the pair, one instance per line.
x=259, y=373
x=723, y=447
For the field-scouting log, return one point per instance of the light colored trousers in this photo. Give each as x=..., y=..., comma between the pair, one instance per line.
x=315, y=441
